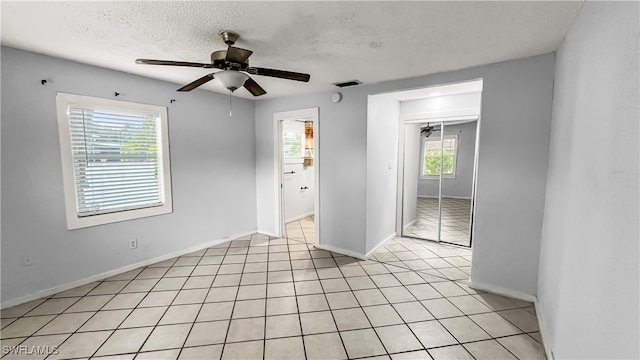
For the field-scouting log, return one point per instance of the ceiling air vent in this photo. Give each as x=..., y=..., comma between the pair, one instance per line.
x=348, y=83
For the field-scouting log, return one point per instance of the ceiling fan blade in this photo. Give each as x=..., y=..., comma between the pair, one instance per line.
x=253, y=87
x=197, y=83
x=238, y=55
x=173, y=63
x=278, y=73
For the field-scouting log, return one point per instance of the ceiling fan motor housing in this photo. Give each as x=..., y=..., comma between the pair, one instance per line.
x=229, y=37
x=218, y=58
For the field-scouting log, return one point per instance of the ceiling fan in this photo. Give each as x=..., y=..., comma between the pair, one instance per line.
x=428, y=130
x=234, y=63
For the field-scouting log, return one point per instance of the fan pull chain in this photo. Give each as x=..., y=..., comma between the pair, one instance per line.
x=230, y=108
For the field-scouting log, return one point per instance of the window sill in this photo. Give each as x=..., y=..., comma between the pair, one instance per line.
x=108, y=218
x=450, y=177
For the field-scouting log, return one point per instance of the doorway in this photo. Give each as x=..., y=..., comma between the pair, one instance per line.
x=438, y=142
x=297, y=172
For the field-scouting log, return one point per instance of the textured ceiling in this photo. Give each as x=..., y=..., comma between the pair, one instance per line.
x=333, y=41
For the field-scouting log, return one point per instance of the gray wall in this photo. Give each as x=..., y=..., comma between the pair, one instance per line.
x=216, y=190
x=382, y=169
x=589, y=273
x=461, y=185
x=516, y=113
x=341, y=147
x=213, y=186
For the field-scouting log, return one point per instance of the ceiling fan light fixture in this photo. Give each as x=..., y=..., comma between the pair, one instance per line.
x=231, y=79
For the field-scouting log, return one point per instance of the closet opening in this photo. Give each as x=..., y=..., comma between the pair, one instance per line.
x=438, y=149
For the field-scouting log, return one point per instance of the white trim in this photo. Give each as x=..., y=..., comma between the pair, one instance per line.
x=449, y=115
x=341, y=251
x=107, y=274
x=450, y=197
x=400, y=179
x=502, y=291
x=474, y=182
x=296, y=218
x=268, y=233
x=390, y=237
x=404, y=228
x=544, y=331
x=63, y=102
x=444, y=89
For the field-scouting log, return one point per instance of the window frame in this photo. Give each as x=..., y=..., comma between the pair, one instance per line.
x=455, y=157
x=74, y=221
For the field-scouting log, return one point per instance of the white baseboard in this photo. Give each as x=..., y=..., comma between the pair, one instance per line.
x=404, y=228
x=390, y=237
x=450, y=197
x=98, y=277
x=544, y=331
x=341, y=251
x=502, y=291
x=268, y=233
x=296, y=218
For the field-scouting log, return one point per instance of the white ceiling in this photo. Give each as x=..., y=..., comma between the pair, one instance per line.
x=333, y=41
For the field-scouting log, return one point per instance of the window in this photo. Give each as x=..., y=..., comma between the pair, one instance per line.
x=115, y=160
x=431, y=156
x=293, y=139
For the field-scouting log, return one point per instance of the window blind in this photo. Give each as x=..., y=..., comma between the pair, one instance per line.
x=117, y=161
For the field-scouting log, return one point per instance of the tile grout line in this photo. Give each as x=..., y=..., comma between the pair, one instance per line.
x=193, y=324
x=224, y=346
x=295, y=296
x=315, y=261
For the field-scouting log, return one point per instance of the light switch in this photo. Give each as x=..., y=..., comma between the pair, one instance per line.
x=389, y=165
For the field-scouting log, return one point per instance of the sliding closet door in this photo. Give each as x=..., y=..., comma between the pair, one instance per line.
x=458, y=158
x=421, y=213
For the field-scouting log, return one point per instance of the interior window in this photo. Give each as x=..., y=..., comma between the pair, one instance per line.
x=115, y=160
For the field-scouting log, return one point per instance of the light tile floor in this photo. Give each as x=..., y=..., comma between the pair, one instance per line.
x=266, y=298
x=455, y=220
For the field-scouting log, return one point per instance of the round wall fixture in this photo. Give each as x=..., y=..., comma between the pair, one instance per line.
x=336, y=97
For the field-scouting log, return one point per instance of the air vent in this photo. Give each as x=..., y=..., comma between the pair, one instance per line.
x=348, y=83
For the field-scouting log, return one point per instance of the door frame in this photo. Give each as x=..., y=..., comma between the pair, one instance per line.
x=309, y=114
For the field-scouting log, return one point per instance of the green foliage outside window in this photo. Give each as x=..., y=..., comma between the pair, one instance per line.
x=293, y=144
x=141, y=142
x=432, y=157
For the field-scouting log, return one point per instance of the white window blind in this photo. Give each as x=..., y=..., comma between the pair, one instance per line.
x=114, y=158
x=115, y=161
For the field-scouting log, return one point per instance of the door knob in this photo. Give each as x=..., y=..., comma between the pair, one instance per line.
x=304, y=188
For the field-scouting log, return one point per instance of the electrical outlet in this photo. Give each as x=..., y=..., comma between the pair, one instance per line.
x=26, y=261
x=133, y=244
